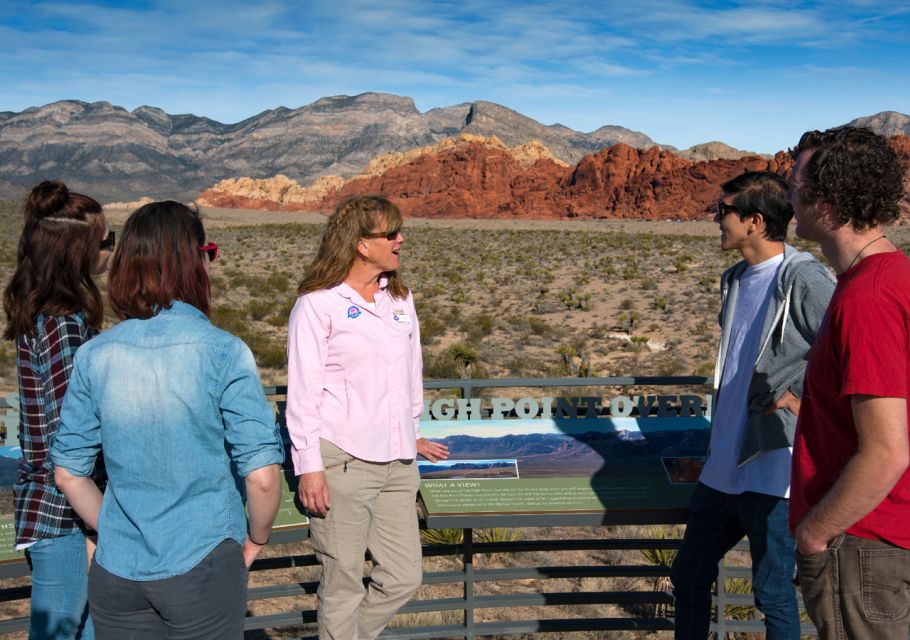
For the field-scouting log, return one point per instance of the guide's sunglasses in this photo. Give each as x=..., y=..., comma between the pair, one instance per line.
x=108, y=242
x=388, y=235
x=210, y=248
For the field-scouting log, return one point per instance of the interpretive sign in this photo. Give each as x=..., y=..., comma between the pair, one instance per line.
x=545, y=464
x=290, y=511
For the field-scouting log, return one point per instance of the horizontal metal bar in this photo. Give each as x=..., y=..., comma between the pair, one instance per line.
x=12, y=625
x=503, y=600
x=275, y=620
x=282, y=590
x=14, y=569
x=572, y=624
x=609, y=381
x=489, y=383
x=738, y=572
x=405, y=633
x=284, y=562
x=583, y=544
x=546, y=573
x=15, y=593
x=591, y=519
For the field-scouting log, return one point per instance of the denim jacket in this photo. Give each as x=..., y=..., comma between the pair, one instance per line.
x=178, y=407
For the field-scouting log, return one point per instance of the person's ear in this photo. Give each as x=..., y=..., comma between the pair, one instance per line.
x=363, y=249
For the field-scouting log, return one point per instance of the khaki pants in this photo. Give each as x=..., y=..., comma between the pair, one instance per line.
x=371, y=508
x=857, y=589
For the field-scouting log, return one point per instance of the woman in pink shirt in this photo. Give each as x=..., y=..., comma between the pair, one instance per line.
x=355, y=396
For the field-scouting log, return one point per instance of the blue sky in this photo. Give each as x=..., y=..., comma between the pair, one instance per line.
x=753, y=74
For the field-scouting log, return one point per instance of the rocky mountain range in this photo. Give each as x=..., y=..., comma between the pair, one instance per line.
x=475, y=159
x=115, y=154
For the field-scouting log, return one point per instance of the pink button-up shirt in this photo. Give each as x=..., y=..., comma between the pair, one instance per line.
x=355, y=377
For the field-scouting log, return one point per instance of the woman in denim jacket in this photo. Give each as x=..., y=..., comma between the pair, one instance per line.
x=178, y=407
x=53, y=307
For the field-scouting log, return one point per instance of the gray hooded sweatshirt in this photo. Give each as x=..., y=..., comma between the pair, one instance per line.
x=797, y=306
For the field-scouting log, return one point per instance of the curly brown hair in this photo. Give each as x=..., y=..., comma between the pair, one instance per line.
x=855, y=171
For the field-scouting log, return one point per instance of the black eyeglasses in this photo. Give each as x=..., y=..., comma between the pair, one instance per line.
x=723, y=209
x=108, y=242
x=212, y=249
x=388, y=235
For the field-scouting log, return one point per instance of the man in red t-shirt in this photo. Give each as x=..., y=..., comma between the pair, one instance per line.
x=850, y=492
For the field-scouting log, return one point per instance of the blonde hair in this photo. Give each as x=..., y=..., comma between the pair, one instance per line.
x=354, y=218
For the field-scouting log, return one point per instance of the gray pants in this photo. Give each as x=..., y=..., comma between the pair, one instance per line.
x=372, y=507
x=207, y=602
x=857, y=589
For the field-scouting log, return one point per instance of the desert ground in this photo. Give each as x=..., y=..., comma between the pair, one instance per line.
x=516, y=298
x=495, y=299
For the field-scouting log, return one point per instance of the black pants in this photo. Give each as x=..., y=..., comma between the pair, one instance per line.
x=209, y=601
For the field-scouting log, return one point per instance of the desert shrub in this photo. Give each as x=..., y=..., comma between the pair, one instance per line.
x=458, y=361
x=431, y=327
x=478, y=326
x=259, y=309
x=279, y=281
x=572, y=299
x=539, y=326
x=228, y=318
x=628, y=320
x=574, y=360
x=681, y=262
x=456, y=536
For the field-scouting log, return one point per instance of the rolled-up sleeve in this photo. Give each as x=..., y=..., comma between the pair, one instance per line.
x=416, y=370
x=308, y=337
x=76, y=443
x=249, y=422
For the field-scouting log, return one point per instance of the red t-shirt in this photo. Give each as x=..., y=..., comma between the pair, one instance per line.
x=862, y=347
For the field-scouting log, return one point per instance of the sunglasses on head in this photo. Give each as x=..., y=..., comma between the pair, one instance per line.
x=388, y=235
x=210, y=248
x=108, y=242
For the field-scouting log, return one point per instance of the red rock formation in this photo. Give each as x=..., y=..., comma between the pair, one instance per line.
x=481, y=180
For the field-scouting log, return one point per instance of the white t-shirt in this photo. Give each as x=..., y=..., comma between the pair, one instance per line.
x=769, y=472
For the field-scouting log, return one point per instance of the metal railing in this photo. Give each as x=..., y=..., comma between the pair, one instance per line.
x=644, y=610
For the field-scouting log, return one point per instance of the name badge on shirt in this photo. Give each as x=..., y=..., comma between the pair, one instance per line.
x=400, y=316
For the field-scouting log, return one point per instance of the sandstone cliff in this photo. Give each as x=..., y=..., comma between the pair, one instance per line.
x=477, y=177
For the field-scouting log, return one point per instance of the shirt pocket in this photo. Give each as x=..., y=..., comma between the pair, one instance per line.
x=398, y=346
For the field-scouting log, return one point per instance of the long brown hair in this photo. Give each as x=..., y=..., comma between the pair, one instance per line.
x=158, y=261
x=355, y=218
x=57, y=253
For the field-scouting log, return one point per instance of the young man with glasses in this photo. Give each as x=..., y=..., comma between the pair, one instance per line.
x=772, y=303
x=850, y=510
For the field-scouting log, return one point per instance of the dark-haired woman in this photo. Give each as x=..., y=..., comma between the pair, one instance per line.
x=179, y=409
x=355, y=395
x=52, y=308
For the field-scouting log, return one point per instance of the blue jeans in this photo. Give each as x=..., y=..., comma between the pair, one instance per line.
x=59, y=589
x=717, y=521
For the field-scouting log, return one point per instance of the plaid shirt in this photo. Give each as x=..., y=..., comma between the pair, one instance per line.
x=45, y=362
